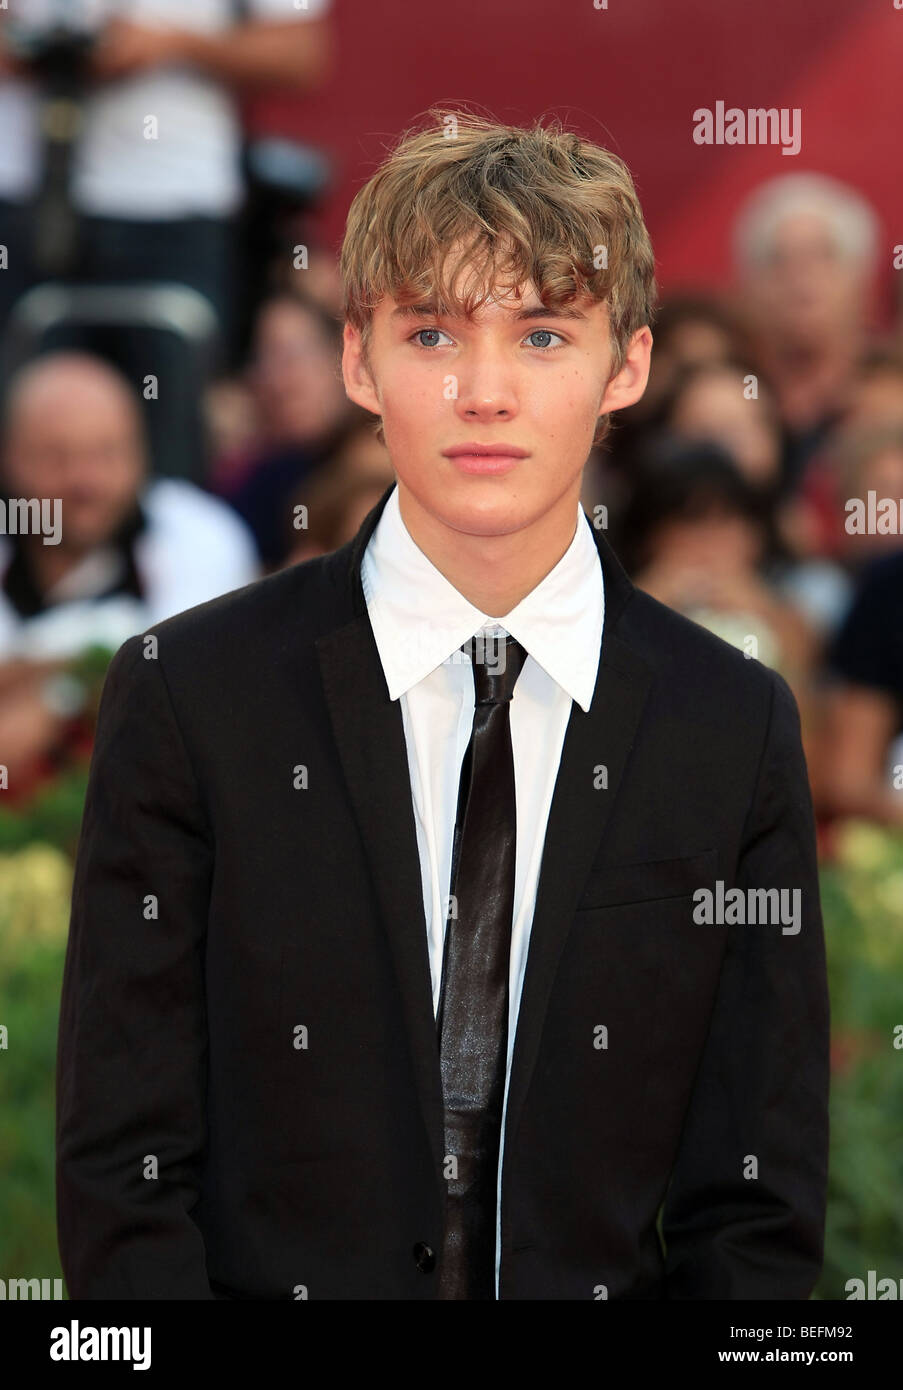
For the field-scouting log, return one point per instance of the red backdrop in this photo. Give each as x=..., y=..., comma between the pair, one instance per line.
x=630, y=77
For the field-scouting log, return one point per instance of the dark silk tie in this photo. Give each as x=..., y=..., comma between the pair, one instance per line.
x=472, y=1017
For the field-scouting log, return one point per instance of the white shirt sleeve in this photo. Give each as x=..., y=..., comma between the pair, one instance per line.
x=288, y=9
x=194, y=548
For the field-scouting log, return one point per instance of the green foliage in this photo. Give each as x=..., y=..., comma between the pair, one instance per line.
x=34, y=905
x=862, y=902
x=52, y=816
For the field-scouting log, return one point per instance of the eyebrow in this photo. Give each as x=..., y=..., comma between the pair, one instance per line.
x=533, y=311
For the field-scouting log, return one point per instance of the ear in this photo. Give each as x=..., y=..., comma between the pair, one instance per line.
x=360, y=385
x=628, y=386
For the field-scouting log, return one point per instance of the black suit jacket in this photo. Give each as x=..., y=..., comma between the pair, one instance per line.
x=249, y=1096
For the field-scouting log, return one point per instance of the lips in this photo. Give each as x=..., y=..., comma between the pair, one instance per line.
x=487, y=459
x=485, y=451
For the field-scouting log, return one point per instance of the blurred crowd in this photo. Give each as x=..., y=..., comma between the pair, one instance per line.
x=192, y=419
x=758, y=485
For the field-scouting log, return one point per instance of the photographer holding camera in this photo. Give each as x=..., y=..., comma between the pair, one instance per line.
x=122, y=156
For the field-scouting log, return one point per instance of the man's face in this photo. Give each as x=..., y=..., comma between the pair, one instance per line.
x=807, y=290
x=75, y=439
x=516, y=376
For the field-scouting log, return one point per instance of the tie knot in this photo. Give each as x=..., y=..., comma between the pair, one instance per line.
x=497, y=663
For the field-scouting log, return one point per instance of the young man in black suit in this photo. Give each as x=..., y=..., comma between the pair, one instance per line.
x=446, y=909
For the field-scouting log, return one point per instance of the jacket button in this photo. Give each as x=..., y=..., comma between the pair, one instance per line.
x=424, y=1257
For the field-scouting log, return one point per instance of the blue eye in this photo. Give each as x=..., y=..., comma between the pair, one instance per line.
x=416, y=337
x=545, y=332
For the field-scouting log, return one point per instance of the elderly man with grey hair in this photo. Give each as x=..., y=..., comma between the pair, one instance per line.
x=806, y=253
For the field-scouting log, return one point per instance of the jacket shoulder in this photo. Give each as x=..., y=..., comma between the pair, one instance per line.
x=685, y=655
x=300, y=601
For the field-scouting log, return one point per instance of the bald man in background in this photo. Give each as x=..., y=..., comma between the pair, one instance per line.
x=128, y=549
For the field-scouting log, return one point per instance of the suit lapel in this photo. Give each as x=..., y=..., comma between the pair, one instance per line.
x=369, y=732
x=582, y=803
x=600, y=738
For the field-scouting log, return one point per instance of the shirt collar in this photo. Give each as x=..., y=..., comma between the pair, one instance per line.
x=419, y=618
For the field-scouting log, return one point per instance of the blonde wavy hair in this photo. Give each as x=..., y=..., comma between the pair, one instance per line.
x=520, y=203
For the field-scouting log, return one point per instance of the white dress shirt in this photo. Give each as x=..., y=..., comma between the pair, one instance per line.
x=419, y=622
x=193, y=548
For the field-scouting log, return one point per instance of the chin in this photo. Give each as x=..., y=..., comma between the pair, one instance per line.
x=487, y=511
x=478, y=506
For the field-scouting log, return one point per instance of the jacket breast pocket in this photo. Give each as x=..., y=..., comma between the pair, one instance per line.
x=614, y=885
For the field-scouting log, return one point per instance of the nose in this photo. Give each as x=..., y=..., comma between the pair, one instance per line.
x=486, y=389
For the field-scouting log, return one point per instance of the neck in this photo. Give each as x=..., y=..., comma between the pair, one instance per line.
x=493, y=572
